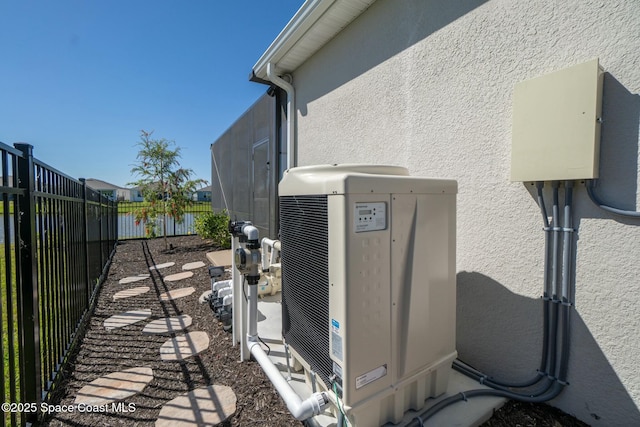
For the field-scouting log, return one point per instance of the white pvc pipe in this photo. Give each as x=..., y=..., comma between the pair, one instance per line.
x=239, y=326
x=267, y=243
x=300, y=409
x=291, y=111
x=251, y=232
x=225, y=292
x=274, y=252
x=228, y=300
x=218, y=286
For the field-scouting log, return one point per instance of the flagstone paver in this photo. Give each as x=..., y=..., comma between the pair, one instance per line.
x=127, y=293
x=205, y=406
x=127, y=318
x=178, y=276
x=184, y=346
x=132, y=279
x=205, y=296
x=193, y=265
x=115, y=386
x=168, y=325
x=165, y=265
x=177, y=293
x=220, y=257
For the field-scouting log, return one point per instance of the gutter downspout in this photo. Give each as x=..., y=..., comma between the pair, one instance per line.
x=291, y=111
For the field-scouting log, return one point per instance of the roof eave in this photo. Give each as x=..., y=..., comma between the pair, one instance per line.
x=312, y=26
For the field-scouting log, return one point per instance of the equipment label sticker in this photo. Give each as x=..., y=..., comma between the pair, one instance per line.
x=371, y=376
x=336, y=345
x=336, y=339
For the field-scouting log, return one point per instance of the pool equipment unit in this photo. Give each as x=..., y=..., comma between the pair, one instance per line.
x=368, y=285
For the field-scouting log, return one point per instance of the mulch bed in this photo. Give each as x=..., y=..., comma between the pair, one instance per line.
x=101, y=352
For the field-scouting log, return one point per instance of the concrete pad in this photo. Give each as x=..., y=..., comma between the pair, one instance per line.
x=165, y=265
x=168, y=325
x=193, y=265
x=127, y=293
x=206, y=406
x=115, y=386
x=222, y=258
x=178, y=276
x=126, y=319
x=177, y=293
x=471, y=413
x=204, y=297
x=185, y=346
x=132, y=279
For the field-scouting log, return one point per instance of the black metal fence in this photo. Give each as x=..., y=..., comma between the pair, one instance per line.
x=57, y=238
x=129, y=228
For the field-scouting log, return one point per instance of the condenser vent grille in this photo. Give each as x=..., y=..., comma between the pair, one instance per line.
x=305, y=279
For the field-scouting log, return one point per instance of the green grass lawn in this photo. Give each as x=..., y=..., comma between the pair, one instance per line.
x=130, y=207
x=7, y=307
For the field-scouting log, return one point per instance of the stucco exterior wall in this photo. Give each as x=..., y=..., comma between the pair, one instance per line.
x=428, y=85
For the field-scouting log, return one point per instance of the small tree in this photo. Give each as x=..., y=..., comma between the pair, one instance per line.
x=166, y=187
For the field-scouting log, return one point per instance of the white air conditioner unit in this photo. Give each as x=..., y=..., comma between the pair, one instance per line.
x=368, y=284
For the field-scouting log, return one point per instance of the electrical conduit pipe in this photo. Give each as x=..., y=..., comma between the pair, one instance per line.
x=560, y=289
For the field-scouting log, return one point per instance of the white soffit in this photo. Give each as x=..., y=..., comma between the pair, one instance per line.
x=315, y=23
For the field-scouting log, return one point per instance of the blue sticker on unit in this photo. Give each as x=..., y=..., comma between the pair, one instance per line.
x=335, y=324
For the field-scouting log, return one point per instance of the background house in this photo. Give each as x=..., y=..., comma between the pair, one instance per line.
x=428, y=84
x=112, y=191
x=203, y=194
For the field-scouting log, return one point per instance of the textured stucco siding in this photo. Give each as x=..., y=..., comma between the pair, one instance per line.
x=428, y=85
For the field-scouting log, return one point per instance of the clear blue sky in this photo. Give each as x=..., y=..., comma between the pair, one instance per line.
x=79, y=79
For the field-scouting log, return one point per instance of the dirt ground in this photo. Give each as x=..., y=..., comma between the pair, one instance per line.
x=101, y=352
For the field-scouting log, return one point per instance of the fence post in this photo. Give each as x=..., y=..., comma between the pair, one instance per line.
x=28, y=322
x=85, y=234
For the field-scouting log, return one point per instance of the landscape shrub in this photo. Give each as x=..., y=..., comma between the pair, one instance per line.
x=214, y=226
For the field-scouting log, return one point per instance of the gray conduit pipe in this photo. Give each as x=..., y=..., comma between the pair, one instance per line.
x=553, y=389
x=567, y=298
x=596, y=200
x=547, y=331
x=555, y=272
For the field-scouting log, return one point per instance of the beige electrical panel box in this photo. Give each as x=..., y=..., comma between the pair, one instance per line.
x=556, y=125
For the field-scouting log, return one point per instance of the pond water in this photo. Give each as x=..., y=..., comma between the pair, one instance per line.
x=127, y=228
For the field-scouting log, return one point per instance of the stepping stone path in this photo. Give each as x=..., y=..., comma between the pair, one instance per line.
x=115, y=386
x=205, y=406
x=185, y=346
x=125, y=319
x=205, y=296
x=165, y=265
x=168, y=325
x=132, y=279
x=177, y=293
x=193, y=265
x=178, y=276
x=127, y=293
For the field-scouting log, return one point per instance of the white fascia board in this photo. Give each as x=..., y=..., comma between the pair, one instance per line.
x=313, y=25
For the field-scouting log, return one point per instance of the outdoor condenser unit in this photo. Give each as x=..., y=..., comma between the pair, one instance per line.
x=368, y=284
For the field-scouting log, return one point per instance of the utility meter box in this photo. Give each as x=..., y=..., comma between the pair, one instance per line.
x=556, y=125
